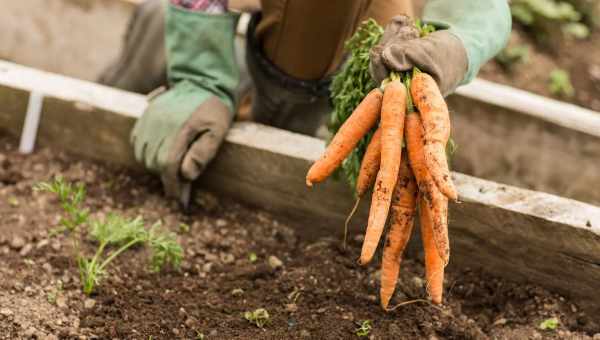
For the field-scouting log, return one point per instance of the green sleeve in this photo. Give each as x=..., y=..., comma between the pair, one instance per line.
x=483, y=26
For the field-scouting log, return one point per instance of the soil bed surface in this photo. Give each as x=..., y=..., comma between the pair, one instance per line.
x=311, y=289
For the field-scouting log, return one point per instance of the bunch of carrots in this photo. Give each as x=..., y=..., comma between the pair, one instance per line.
x=411, y=112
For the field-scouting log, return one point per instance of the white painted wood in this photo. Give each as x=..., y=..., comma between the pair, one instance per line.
x=32, y=121
x=54, y=85
x=557, y=112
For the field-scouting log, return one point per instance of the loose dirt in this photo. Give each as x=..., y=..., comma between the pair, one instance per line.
x=311, y=289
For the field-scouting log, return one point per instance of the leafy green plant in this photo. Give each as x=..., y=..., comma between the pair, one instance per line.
x=114, y=235
x=364, y=328
x=260, y=317
x=512, y=55
x=549, y=324
x=542, y=15
x=560, y=83
x=71, y=198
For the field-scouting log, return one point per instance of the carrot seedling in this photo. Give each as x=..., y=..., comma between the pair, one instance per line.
x=364, y=328
x=114, y=235
x=260, y=317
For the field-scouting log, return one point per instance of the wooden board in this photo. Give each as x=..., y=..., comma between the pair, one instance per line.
x=521, y=234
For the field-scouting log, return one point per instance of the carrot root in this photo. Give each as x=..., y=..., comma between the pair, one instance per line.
x=392, y=132
x=436, y=123
x=354, y=128
x=403, y=210
x=434, y=265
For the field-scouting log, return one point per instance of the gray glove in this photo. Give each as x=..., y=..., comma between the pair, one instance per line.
x=440, y=54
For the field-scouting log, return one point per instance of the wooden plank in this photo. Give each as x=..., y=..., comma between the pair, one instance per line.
x=523, y=150
x=521, y=234
x=560, y=113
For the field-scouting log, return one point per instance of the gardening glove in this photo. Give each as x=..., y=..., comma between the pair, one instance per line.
x=181, y=130
x=470, y=32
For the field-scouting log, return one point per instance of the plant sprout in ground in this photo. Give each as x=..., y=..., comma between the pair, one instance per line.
x=541, y=15
x=560, y=83
x=260, y=317
x=512, y=55
x=364, y=328
x=549, y=324
x=114, y=235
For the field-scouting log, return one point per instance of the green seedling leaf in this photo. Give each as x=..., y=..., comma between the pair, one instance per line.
x=13, y=201
x=116, y=229
x=549, y=324
x=364, y=328
x=260, y=317
x=184, y=228
x=252, y=257
x=165, y=249
x=512, y=55
x=560, y=83
x=576, y=30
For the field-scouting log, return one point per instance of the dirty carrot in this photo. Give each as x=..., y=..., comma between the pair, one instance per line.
x=393, y=111
x=403, y=207
x=354, y=128
x=369, y=165
x=436, y=122
x=437, y=202
x=367, y=174
x=434, y=265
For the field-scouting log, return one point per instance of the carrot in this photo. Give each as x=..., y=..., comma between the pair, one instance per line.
x=437, y=202
x=367, y=174
x=369, y=165
x=436, y=122
x=434, y=265
x=393, y=110
x=354, y=128
x=403, y=208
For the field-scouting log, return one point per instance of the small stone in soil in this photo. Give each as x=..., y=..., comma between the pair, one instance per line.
x=275, y=262
x=17, y=243
x=89, y=303
x=61, y=302
x=291, y=307
x=26, y=250
x=6, y=312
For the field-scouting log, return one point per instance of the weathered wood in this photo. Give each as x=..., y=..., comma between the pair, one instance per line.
x=523, y=150
x=520, y=234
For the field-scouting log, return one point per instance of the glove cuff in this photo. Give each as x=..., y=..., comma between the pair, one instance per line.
x=200, y=49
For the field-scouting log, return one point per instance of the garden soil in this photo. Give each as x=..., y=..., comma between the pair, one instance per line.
x=237, y=259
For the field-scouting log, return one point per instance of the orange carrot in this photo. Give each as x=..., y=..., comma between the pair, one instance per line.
x=403, y=208
x=434, y=265
x=369, y=165
x=354, y=128
x=367, y=174
x=436, y=122
x=393, y=110
x=437, y=202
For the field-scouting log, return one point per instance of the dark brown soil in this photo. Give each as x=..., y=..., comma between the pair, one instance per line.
x=317, y=292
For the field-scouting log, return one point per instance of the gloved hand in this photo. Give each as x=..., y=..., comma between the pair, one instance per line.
x=181, y=130
x=470, y=32
x=440, y=54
